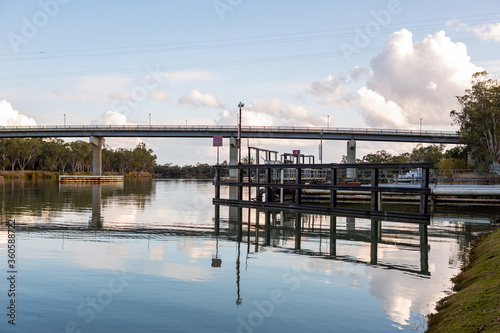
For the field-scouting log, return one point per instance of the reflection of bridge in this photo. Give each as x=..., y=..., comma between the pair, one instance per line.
x=99, y=132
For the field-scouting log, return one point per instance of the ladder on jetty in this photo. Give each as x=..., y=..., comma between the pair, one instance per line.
x=269, y=180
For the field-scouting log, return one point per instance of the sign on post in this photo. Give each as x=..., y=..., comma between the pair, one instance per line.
x=296, y=152
x=218, y=140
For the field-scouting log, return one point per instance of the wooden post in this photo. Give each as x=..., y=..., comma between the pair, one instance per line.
x=217, y=183
x=333, y=182
x=424, y=185
x=240, y=184
x=298, y=181
x=374, y=193
x=269, y=197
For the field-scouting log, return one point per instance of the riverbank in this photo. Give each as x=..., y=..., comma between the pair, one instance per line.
x=475, y=305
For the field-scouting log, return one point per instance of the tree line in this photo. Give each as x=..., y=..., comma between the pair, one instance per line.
x=56, y=155
x=455, y=158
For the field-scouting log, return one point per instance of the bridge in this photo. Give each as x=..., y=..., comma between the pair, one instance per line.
x=97, y=133
x=204, y=131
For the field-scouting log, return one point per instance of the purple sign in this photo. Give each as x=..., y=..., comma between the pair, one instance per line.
x=218, y=140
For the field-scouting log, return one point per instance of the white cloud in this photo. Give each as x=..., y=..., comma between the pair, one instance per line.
x=378, y=112
x=485, y=31
x=188, y=75
x=273, y=112
x=111, y=118
x=407, y=81
x=11, y=117
x=197, y=99
x=422, y=78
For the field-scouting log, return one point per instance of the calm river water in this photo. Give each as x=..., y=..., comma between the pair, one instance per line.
x=144, y=257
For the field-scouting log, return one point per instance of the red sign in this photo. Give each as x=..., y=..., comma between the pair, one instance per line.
x=296, y=152
x=218, y=140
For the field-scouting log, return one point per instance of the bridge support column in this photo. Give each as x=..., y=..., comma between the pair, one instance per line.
x=351, y=158
x=97, y=143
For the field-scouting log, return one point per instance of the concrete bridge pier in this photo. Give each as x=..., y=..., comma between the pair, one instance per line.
x=351, y=158
x=97, y=143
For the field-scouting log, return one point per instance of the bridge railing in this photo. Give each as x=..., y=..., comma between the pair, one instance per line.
x=218, y=128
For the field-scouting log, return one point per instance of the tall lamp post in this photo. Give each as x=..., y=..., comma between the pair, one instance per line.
x=420, y=125
x=64, y=119
x=150, y=120
x=241, y=105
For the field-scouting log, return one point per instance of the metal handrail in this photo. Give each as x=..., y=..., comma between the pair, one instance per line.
x=193, y=128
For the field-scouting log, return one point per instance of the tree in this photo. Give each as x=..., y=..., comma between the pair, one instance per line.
x=432, y=154
x=479, y=118
x=380, y=156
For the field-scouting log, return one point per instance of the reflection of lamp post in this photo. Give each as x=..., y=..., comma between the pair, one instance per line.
x=241, y=105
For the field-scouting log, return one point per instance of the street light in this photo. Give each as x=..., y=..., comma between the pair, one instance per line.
x=150, y=120
x=327, y=121
x=241, y=105
x=64, y=119
x=420, y=125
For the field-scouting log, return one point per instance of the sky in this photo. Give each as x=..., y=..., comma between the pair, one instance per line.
x=355, y=64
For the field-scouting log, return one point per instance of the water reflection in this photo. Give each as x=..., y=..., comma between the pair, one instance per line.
x=198, y=267
x=315, y=229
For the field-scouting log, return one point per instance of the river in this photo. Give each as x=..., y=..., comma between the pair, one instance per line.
x=144, y=256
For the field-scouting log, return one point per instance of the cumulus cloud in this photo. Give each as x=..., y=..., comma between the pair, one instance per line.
x=407, y=81
x=332, y=90
x=273, y=112
x=422, y=78
x=111, y=118
x=11, y=117
x=485, y=31
x=197, y=99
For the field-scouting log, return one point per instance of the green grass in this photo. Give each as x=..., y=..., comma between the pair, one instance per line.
x=475, y=306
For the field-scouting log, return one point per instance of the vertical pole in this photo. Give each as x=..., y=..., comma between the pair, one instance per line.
x=269, y=197
x=217, y=220
x=298, y=181
x=257, y=213
x=424, y=248
x=374, y=191
x=217, y=182
x=298, y=229
x=375, y=236
x=333, y=182
x=240, y=184
x=424, y=185
x=333, y=235
x=268, y=229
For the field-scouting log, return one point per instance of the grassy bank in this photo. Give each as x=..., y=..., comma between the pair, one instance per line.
x=475, y=306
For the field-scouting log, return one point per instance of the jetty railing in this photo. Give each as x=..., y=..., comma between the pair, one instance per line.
x=269, y=184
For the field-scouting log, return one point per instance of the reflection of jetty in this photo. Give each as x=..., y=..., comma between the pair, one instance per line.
x=89, y=179
x=328, y=236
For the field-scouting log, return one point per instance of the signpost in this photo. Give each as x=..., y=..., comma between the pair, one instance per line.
x=218, y=143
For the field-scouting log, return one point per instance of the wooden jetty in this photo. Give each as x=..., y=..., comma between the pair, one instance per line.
x=63, y=179
x=270, y=180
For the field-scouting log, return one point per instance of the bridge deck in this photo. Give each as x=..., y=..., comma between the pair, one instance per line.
x=208, y=131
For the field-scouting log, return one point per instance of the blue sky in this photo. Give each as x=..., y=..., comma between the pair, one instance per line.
x=382, y=64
